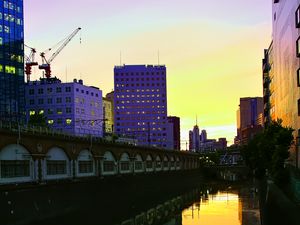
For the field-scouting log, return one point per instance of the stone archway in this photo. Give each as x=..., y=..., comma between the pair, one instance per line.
x=16, y=164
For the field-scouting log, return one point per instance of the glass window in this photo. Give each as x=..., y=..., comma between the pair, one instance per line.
x=50, y=111
x=68, y=110
x=58, y=90
x=31, y=91
x=58, y=100
x=298, y=47
x=41, y=101
x=68, y=89
x=68, y=121
x=85, y=166
x=59, y=111
x=298, y=17
x=15, y=168
x=55, y=167
x=50, y=122
x=49, y=100
x=108, y=166
x=68, y=99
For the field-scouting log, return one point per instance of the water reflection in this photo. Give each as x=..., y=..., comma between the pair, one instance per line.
x=230, y=207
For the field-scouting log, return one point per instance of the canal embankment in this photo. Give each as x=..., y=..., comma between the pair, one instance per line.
x=124, y=194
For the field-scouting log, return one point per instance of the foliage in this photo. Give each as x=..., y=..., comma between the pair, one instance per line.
x=38, y=120
x=211, y=158
x=269, y=150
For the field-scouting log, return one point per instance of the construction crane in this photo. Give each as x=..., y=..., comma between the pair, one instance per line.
x=30, y=62
x=46, y=62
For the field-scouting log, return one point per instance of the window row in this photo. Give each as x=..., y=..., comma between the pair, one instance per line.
x=138, y=112
x=11, y=18
x=142, y=107
x=142, y=101
x=58, y=111
x=87, y=92
x=8, y=69
x=137, y=90
x=12, y=6
x=49, y=101
x=49, y=90
x=141, y=85
x=140, y=79
x=140, y=73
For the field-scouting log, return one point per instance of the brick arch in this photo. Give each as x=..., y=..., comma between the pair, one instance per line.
x=122, y=153
x=112, y=153
x=141, y=155
x=68, y=153
x=18, y=145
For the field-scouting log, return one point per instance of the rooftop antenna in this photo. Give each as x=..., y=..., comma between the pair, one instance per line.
x=197, y=120
x=66, y=74
x=120, y=58
x=158, y=56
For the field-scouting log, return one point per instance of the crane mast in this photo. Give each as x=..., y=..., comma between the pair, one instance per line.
x=46, y=64
x=30, y=62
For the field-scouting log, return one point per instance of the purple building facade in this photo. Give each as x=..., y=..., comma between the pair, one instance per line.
x=140, y=103
x=71, y=108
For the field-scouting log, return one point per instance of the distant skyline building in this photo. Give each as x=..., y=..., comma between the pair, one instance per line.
x=198, y=142
x=140, y=103
x=72, y=108
x=249, y=114
x=12, y=100
x=175, y=121
x=194, y=139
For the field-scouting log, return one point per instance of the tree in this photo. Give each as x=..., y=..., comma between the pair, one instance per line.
x=38, y=120
x=269, y=150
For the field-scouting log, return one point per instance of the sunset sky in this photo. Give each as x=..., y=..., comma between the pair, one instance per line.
x=212, y=49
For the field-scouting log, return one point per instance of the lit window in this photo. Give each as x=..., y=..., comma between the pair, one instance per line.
x=10, y=69
x=68, y=121
x=41, y=112
x=1, y=41
x=50, y=122
x=59, y=111
x=31, y=112
x=6, y=29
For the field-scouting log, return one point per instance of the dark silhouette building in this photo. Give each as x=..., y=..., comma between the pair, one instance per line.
x=176, y=131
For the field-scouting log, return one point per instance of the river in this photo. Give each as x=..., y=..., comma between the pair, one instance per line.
x=208, y=204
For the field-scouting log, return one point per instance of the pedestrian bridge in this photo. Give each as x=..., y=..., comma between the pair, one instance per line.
x=40, y=157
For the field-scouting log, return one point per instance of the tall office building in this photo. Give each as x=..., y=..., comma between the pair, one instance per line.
x=140, y=102
x=72, y=108
x=11, y=60
x=250, y=110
